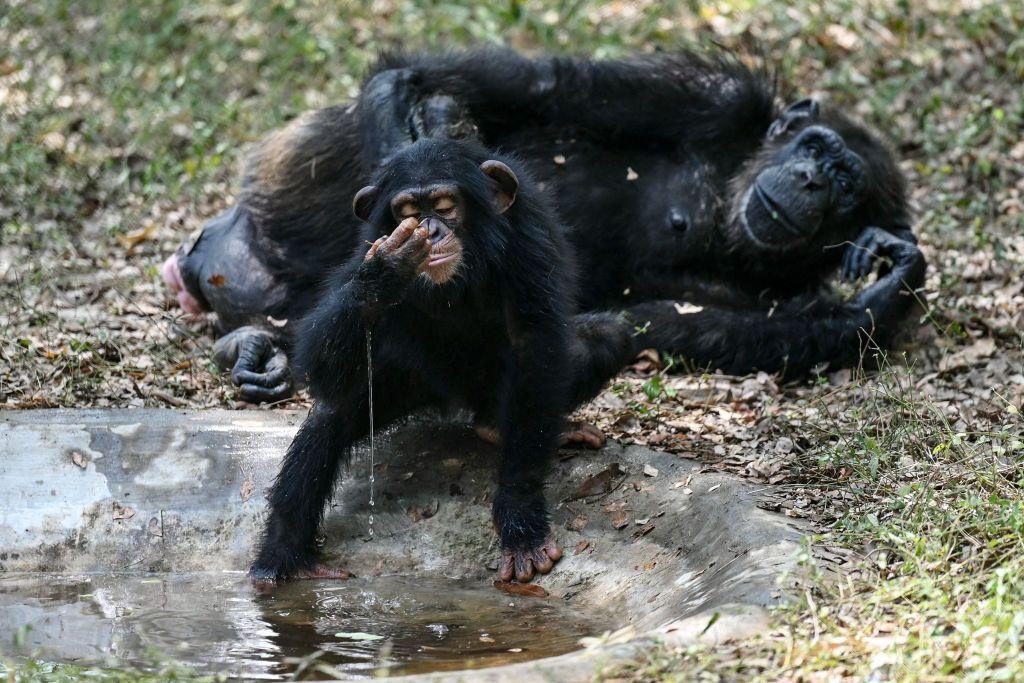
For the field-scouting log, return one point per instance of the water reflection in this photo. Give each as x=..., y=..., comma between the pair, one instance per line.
x=216, y=623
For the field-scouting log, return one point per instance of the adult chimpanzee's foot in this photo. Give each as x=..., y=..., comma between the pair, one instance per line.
x=522, y=564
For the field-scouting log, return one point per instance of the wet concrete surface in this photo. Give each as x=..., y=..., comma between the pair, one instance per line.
x=160, y=494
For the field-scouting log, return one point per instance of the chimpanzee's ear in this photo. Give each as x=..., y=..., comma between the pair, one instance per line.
x=506, y=183
x=362, y=203
x=794, y=113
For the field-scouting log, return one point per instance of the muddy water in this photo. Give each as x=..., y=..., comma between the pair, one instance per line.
x=215, y=623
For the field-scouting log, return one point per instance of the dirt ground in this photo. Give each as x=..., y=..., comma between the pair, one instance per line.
x=121, y=131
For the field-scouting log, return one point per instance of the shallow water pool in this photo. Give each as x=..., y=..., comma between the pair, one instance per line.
x=216, y=623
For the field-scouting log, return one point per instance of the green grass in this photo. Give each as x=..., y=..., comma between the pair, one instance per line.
x=121, y=115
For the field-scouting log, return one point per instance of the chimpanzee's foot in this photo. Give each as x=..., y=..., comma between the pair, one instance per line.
x=582, y=434
x=523, y=564
x=575, y=433
x=264, y=578
x=259, y=368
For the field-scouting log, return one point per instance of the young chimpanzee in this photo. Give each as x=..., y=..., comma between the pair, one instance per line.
x=465, y=296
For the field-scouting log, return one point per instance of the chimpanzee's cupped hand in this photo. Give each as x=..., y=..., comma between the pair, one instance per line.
x=392, y=262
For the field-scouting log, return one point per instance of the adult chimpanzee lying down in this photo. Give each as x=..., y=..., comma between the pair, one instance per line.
x=463, y=298
x=677, y=178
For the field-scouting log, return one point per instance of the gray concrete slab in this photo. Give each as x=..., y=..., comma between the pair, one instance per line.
x=178, y=491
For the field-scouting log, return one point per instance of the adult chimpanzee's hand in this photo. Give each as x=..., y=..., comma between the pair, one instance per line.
x=872, y=244
x=392, y=262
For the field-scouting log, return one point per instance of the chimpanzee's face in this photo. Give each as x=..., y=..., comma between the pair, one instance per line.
x=812, y=178
x=449, y=195
x=439, y=209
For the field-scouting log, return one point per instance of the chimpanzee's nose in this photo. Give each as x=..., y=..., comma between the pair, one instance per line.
x=809, y=176
x=679, y=219
x=435, y=228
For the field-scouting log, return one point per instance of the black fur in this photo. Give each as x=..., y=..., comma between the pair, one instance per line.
x=649, y=162
x=495, y=338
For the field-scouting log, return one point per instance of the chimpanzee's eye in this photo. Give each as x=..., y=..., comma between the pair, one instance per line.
x=845, y=185
x=814, y=150
x=409, y=209
x=444, y=206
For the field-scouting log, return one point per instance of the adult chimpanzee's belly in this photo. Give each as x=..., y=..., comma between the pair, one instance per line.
x=628, y=211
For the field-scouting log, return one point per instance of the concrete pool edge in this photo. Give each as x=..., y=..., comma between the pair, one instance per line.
x=193, y=484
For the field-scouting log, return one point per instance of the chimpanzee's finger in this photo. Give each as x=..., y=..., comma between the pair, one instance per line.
x=507, y=566
x=541, y=562
x=252, y=350
x=846, y=274
x=254, y=393
x=416, y=244
x=864, y=258
x=552, y=549
x=400, y=234
x=372, y=251
x=269, y=378
x=524, y=568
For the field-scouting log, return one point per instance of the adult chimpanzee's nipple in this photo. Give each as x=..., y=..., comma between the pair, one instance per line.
x=679, y=219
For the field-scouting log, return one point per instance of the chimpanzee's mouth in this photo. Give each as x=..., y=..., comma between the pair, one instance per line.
x=439, y=259
x=775, y=211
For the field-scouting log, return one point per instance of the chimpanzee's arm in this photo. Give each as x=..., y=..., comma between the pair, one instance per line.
x=331, y=348
x=671, y=97
x=796, y=337
x=532, y=404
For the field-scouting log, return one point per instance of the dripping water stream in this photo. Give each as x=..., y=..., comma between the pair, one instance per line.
x=369, y=386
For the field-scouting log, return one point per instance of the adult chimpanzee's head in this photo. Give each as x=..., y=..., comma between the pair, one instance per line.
x=818, y=180
x=453, y=189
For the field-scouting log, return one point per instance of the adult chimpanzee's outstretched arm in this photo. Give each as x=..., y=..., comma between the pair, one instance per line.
x=797, y=335
x=670, y=97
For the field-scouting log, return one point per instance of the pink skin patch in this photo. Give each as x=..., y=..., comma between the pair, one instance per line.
x=172, y=277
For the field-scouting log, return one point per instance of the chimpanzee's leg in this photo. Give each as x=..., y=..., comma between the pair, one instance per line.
x=393, y=112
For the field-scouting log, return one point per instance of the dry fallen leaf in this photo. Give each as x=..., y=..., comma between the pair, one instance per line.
x=530, y=590
x=123, y=511
x=620, y=519
x=80, y=459
x=603, y=482
x=134, y=237
x=155, y=528
x=650, y=471
x=643, y=532
x=245, y=491
x=416, y=513
x=580, y=547
x=578, y=523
